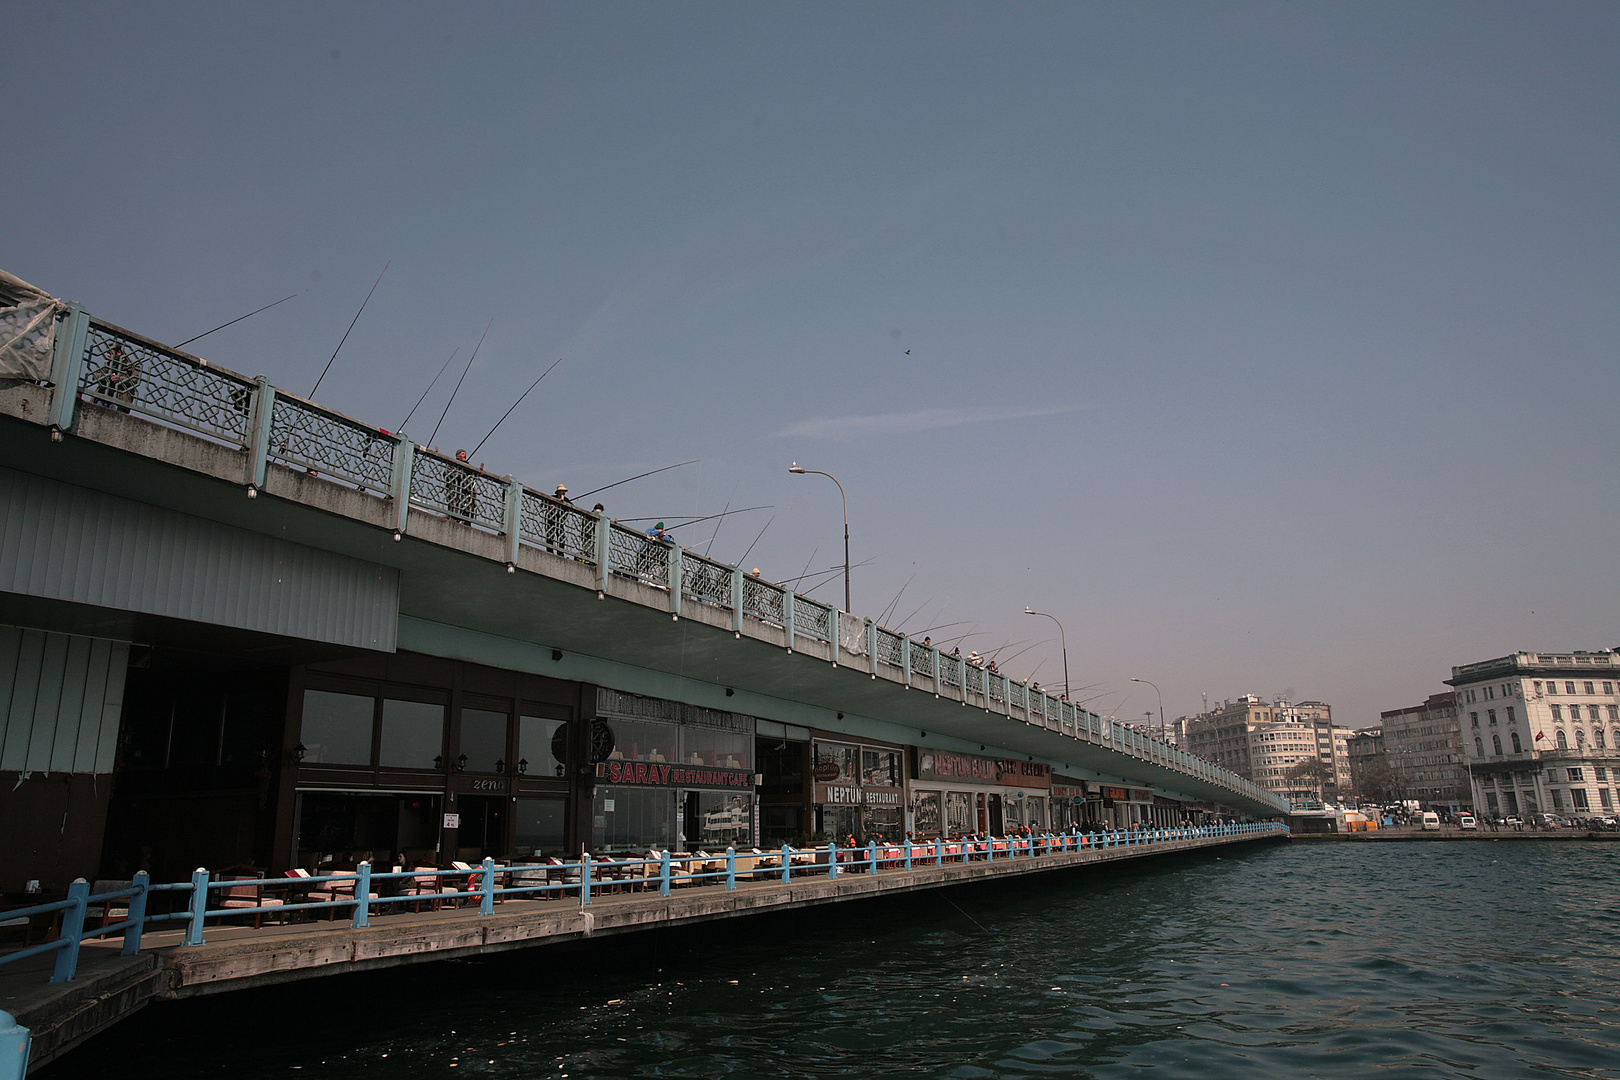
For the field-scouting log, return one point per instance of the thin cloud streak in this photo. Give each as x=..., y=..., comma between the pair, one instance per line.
x=849, y=427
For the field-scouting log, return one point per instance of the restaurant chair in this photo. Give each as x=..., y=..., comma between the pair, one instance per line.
x=250, y=896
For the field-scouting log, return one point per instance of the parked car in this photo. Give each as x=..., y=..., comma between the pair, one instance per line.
x=1431, y=821
x=1467, y=822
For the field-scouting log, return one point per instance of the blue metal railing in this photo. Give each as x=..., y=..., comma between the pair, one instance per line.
x=114, y=368
x=489, y=884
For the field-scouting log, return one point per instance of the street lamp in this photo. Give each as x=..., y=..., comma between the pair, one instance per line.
x=1064, y=637
x=1161, y=703
x=797, y=468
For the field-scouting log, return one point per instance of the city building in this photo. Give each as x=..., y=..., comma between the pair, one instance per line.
x=1291, y=749
x=1423, y=753
x=1368, y=771
x=1541, y=732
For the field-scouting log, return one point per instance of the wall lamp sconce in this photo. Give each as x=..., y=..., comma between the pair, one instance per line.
x=461, y=763
x=523, y=766
x=438, y=762
x=500, y=765
x=297, y=753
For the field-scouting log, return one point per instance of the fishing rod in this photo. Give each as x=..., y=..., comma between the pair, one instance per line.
x=459, y=381
x=711, y=517
x=238, y=319
x=807, y=562
x=756, y=540
x=515, y=404
x=356, y=319
x=426, y=392
x=913, y=615
x=616, y=483
x=723, y=511
x=889, y=610
x=941, y=626
x=839, y=569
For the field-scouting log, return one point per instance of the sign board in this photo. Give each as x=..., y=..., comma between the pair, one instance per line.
x=661, y=774
x=944, y=765
x=452, y=821
x=825, y=772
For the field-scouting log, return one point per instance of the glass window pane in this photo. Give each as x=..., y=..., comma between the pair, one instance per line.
x=412, y=734
x=337, y=728
x=632, y=819
x=535, y=734
x=642, y=740
x=483, y=739
x=539, y=826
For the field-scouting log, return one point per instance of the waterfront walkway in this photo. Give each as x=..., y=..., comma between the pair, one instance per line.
x=111, y=987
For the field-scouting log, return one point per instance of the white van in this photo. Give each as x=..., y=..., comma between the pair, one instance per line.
x=1431, y=820
x=1466, y=822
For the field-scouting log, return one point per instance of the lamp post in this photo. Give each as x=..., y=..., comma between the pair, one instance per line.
x=797, y=468
x=1062, y=636
x=1161, y=703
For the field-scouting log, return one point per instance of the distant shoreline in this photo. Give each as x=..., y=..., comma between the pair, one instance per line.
x=1394, y=837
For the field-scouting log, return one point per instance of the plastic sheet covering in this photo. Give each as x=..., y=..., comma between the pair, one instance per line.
x=27, y=327
x=852, y=633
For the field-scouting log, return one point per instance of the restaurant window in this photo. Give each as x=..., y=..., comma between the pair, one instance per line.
x=644, y=740
x=539, y=826
x=880, y=768
x=632, y=819
x=717, y=747
x=846, y=758
x=337, y=728
x=925, y=820
x=412, y=734
x=536, y=745
x=483, y=740
x=959, y=812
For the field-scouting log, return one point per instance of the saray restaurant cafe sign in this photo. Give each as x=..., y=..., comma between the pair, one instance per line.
x=946, y=766
x=658, y=774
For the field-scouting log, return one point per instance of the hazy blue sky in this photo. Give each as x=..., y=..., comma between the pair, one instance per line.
x=1272, y=347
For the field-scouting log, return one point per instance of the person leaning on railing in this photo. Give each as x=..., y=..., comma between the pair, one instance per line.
x=119, y=378
x=459, y=495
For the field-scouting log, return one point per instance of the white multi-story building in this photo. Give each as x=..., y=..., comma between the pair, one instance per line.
x=1541, y=732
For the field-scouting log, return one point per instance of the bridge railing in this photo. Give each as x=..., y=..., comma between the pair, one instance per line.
x=121, y=370
x=363, y=892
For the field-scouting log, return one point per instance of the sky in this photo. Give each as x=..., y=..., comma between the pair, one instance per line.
x=1270, y=347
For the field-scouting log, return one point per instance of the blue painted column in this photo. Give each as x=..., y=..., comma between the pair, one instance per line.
x=736, y=599
x=604, y=553
x=67, y=364
x=137, y=913
x=399, y=484
x=67, y=957
x=787, y=616
x=198, y=905
x=14, y=1046
x=905, y=658
x=512, y=521
x=674, y=579
x=259, y=424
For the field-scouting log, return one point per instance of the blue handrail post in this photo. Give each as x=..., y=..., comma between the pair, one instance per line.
x=14, y=1046
x=585, y=879
x=198, y=906
x=939, y=851
x=137, y=914
x=787, y=865
x=362, y=896
x=871, y=857
x=908, y=853
x=731, y=867
x=486, y=903
x=663, y=872
x=832, y=858
x=67, y=957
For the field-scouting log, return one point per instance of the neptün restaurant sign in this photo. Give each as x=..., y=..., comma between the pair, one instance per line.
x=850, y=795
x=945, y=766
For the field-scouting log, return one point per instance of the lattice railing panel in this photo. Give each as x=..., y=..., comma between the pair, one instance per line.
x=890, y=649
x=975, y=679
x=811, y=620
x=922, y=661
x=460, y=493
x=762, y=601
x=705, y=581
x=327, y=444
x=136, y=376
x=639, y=556
x=998, y=688
x=950, y=671
x=557, y=527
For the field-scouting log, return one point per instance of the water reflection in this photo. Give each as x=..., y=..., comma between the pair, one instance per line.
x=1481, y=960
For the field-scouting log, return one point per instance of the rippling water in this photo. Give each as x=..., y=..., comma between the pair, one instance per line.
x=1478, y=960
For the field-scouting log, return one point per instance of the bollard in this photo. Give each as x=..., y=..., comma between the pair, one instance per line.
x=14, y=1045
x=486, y=903
x=731, y=867
x=199, y=905
x=362, y=896
x=137, y=914
x=67, y=957
x=663, y=872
